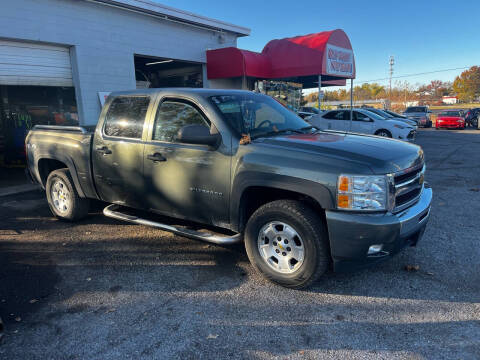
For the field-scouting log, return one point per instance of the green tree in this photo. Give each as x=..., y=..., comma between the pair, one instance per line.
x=467, y=85
x=375, y=90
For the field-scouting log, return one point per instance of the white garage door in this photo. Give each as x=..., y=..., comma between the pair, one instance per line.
x=23, y=63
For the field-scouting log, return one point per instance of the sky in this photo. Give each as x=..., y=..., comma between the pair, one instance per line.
x=423, y=36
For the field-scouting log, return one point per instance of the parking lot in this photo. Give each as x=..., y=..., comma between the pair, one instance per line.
x=102, y=289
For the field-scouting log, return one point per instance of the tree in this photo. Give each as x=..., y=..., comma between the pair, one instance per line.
x=375, y=90
x=467, y=85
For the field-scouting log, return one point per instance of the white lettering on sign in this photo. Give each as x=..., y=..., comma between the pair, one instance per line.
x=339, y=61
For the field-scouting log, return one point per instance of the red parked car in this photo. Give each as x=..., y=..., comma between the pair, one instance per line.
x=450, y=119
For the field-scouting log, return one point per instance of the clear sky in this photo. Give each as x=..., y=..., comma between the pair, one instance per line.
x=423, y=35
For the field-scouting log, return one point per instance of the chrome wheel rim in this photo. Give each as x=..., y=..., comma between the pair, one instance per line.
x=281, y=247
x=383, y=133
x=61, y=198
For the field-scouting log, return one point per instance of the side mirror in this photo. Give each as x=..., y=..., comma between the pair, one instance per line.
x=197, y=134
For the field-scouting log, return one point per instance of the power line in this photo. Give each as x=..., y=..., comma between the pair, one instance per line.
x=409, y=75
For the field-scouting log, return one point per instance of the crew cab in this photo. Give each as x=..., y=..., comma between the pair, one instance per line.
x=363, y=122
x=229, y=166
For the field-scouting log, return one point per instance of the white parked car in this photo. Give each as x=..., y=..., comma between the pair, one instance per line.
x=364, y=122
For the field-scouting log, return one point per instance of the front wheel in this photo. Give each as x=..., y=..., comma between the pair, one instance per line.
x=63, y=198
x=286, y=241
x=384, y=133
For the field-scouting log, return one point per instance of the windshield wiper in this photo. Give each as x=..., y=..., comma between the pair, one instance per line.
x=278, y=132
x=283, y=131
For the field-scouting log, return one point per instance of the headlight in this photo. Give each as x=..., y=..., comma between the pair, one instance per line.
x=399, y=126
x=360, y=192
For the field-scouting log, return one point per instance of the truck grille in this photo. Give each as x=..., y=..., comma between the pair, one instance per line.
x=408, y=187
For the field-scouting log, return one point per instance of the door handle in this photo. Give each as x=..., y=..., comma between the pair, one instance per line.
x=156, y=157
x=103, y=149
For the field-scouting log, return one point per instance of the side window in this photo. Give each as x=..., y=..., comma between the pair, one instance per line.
x=171, y=117
x=331, y=115
x=340, y=115
x=125, y=116
x=357, y=116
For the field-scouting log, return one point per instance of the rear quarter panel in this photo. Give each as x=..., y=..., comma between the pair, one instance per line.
x=71, y=148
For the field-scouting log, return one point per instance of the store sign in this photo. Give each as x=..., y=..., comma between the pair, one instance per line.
x=103, y=95
x=339, y=61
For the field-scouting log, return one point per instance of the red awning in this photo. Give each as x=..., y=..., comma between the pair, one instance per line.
x=327, y=53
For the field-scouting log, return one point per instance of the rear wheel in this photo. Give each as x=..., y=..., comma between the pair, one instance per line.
x=384, y=133
x=63, y=198
x=286, y=241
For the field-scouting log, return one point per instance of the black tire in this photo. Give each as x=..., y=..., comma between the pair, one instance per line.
x=78, y=207
x=380, y=131
x=312, y=231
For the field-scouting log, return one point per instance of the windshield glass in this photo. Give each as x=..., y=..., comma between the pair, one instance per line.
x=257, y=114
x=450, y=113
x=415, y=109
x=384, y=114
x=380, y=113
x=374, y=115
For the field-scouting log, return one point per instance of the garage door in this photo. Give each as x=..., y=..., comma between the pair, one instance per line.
x=23, y=63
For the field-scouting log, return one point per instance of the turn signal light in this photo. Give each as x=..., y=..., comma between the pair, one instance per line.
x=344, y=183
x=343, y=201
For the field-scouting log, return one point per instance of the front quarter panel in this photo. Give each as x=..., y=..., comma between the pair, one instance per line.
x=286, y=169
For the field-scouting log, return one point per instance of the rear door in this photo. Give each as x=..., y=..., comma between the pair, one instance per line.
x=117, y=152
x=185, y=180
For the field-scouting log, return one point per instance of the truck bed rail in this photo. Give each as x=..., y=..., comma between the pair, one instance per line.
x=61, y=128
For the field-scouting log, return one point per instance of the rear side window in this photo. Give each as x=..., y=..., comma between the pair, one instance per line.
x=331, y=115
x=126, y=116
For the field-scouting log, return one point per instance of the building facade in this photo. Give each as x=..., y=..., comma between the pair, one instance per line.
x=59, y=57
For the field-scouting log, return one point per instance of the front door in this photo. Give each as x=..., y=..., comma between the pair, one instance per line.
x=361, y=123
x=117, y=151
x=186, y=181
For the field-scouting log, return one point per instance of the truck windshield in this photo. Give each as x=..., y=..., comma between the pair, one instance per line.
x=258, y=115
x=450, y=113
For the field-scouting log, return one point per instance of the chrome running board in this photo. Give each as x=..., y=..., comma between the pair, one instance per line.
x=111, y=212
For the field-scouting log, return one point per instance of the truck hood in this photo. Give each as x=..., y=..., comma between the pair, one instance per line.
x=415, y=114
x=449, y=118
x=382, y=155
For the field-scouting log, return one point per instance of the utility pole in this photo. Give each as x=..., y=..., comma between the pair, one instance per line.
x=392, y=62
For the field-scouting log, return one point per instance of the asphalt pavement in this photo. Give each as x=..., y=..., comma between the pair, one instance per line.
x=103, y=289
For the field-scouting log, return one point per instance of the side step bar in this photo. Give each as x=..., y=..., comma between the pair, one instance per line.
x=111, y=212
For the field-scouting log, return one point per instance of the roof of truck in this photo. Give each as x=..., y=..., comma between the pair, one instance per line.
x=203, y=92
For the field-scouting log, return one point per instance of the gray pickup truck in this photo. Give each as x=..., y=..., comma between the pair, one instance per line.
x=228, y=166
x=419, y=114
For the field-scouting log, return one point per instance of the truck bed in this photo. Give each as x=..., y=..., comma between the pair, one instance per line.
x=55, y=146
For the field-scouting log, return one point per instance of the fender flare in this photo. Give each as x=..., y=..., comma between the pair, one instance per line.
x=318, y=192
x=70, y=165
